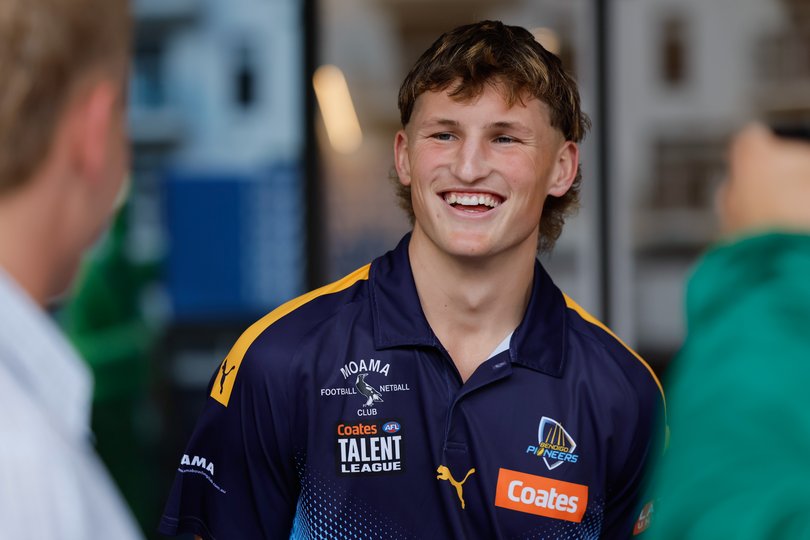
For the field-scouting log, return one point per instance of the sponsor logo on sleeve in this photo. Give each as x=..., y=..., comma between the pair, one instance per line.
x=368, y=380
x=223, y=385
x=199, y=465
x=554, y=444
x=541, y=496
x=369, y=448
x=644, y=518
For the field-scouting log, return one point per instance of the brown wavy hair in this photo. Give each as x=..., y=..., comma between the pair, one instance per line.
x=46, y=48
x=491, y=53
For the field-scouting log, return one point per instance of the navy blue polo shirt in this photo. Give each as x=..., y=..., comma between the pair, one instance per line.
x=340, y=415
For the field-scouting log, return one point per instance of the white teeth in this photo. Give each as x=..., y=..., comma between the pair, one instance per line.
x=471, y=200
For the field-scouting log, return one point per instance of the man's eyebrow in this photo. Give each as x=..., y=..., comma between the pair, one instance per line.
x=501, y=124
x=517, y=126
x=436, y=121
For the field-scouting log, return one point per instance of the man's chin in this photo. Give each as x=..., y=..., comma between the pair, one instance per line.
x=470, y=252
x=64, y=283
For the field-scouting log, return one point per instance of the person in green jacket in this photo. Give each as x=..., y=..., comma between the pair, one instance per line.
x=738, y=463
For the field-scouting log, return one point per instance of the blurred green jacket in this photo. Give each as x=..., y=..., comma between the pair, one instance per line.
x=738, y=463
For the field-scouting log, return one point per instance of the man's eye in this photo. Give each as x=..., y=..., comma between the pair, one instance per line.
x=503, y=139
x=443, y=136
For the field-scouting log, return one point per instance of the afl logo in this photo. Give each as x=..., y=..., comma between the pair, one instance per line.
x=391, y=427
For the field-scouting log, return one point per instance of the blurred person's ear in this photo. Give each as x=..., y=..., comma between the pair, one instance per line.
x=89, y=166
x=95, y=120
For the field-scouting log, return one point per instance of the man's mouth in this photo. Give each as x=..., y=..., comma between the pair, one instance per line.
x=472, y=202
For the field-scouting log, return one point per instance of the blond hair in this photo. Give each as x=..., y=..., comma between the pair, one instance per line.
x=46, y=48
x=508, y=57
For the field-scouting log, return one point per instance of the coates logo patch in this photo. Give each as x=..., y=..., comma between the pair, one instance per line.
x=368, y=380
x=369, y=448
x=541, y=496
x=554, y=444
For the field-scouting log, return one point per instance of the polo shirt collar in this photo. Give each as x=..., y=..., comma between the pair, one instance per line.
x=41, y=362
x=538, y=342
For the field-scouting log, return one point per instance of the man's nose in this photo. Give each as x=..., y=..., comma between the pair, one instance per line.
x=472, y=160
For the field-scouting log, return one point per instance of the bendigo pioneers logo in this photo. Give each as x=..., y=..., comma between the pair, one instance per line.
x=541, y=496
x=554, y=445
x=369, y=448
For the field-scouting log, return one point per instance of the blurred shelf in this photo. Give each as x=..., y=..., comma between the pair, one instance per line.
x=677, y=233
x=786, y=96
x=156, y=127
x=161, y=14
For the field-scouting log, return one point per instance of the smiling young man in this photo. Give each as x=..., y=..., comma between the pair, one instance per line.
x=448, y=389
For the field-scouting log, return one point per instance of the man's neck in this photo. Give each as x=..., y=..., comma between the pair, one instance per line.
x=471, y=304
x=30, y=243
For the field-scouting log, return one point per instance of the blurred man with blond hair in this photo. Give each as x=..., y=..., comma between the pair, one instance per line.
x=737, y=465
x=63, y=158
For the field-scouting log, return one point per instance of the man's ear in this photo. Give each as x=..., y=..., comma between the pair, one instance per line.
x=566, y=169
x=401, y=161
x=90, y=117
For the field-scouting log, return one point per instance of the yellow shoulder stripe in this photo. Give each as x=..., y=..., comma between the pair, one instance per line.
x=229, y=369
x=591, y=319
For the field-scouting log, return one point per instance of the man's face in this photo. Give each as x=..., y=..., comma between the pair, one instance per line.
x=480, y=171
x=120, y=154
x=98, y=171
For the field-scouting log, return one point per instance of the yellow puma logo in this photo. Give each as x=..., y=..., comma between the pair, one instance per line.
x=444, y=474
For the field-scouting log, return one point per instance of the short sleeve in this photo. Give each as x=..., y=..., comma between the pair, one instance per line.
x=235, y=478
x=629, y=502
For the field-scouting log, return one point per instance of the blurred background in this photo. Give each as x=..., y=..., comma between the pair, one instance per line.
x=262, y=140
